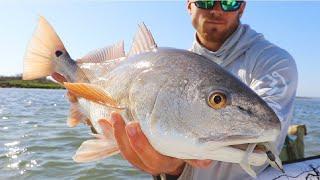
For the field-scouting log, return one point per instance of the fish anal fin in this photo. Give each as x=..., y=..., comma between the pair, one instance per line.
x=92, y=92
x=143, y=41
x=76, y=115
x=73, y=122
x=95, y=149
x=101, y=55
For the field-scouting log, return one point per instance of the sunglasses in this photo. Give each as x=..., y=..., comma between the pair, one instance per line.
x=226, y=5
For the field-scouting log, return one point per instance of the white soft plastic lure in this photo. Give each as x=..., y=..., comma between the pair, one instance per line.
x=188, y=106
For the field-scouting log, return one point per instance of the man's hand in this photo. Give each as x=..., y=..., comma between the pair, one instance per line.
x=135, y=147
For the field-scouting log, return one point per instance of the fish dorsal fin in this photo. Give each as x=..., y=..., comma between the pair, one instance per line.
x=143, y=41
x=100, y=55
x=93, y=93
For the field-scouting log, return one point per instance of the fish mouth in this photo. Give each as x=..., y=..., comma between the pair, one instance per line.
x=259, y=148
x=241, y=141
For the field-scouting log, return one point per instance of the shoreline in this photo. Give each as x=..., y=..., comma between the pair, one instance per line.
x=31, y=87
x=17, y=82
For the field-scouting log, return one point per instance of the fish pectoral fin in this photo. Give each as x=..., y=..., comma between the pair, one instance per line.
x=93, y=93
x=75, y=115
x=95, y=149
x=143, y=41
x=245, y=161
x=108, y=53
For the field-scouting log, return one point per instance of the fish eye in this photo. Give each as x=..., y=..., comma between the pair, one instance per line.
x=58, y=53
x=217, y=100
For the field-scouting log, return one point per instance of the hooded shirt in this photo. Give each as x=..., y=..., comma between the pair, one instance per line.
x=267, y=69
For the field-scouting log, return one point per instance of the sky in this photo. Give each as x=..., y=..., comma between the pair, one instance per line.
x=85, y=25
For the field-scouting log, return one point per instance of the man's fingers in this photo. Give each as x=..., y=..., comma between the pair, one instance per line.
x=106, y=128
x=149, y=156
x=124, y=144
x=199, y=163
x=58, y=77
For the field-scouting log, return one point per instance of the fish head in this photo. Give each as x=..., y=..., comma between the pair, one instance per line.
x=199, y=102
x=236, y=113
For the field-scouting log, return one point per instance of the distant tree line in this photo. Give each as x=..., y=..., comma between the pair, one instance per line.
x=13, y=77
x=19, y=77
x=16, y=81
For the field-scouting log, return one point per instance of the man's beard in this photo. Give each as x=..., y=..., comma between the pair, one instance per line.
x=219, y=35
x=215, y=35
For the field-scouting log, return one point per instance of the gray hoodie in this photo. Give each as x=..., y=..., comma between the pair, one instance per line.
x=267, y=69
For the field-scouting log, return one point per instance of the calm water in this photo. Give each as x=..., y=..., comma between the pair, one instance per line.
x=35, y=142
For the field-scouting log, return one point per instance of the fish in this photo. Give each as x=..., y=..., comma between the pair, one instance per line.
x=188, y=107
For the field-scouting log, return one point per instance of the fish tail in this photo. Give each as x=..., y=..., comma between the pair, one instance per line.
x=44, y=46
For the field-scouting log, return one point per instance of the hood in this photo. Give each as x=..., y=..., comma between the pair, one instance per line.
x=232, y=48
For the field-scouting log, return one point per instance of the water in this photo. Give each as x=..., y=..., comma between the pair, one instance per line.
x=307, y=111
x=35, y=142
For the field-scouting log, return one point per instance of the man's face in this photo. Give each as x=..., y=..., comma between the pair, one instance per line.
x=214, y=24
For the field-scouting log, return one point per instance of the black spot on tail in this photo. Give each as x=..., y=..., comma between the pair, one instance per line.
x=58, y=53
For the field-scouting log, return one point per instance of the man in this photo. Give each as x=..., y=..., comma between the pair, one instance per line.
x=267, y=69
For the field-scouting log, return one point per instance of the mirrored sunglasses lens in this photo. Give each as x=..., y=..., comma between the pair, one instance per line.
x=230, y=5
x=204, y=4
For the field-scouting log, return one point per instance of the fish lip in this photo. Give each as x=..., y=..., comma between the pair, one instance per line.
x=269, y=135
x=259, y=147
